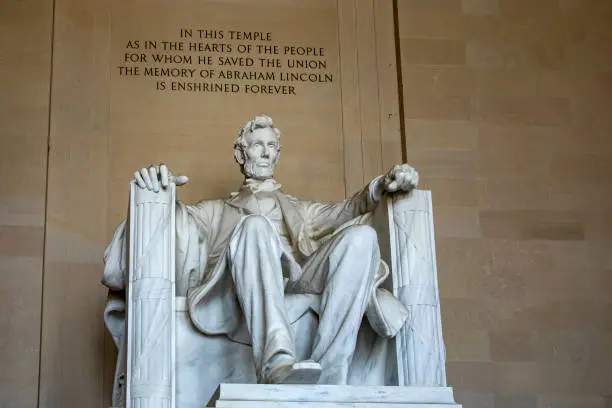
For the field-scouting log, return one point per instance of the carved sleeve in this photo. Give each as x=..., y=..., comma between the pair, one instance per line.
x=323, y=219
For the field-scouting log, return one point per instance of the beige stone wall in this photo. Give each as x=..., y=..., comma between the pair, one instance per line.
x=507, y=116
x=25, y=63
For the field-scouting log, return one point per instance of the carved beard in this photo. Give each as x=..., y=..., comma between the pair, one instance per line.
x=250, y=170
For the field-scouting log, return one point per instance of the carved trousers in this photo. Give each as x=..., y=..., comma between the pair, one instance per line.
x=342, y=271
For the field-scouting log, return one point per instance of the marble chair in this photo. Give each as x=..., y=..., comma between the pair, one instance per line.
x=165, y=361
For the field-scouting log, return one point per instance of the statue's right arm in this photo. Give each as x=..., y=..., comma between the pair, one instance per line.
x=188, y=225
x=154, y=178
x=195, y=227
x=158, y=177
x=115, y=257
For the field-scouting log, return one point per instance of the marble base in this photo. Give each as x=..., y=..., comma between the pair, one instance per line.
x=328, y=396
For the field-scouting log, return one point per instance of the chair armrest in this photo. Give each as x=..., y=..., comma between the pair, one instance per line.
x=404, y=224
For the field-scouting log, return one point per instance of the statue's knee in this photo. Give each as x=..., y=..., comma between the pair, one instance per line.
x=256, y=224
x=361, y=237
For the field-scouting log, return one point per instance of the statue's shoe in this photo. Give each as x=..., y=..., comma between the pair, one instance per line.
x=304, y=372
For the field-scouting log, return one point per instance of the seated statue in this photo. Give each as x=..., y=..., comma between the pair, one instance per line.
x=238, y=259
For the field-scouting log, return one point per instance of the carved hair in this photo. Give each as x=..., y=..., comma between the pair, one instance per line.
x=260, y=122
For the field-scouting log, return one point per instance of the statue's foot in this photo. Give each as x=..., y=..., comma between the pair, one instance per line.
x=304, y=372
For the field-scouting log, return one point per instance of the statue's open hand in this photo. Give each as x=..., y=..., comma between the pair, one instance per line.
x=156, y=177
x=401, y=178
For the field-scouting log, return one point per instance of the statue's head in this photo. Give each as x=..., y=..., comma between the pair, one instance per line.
x=257, y=148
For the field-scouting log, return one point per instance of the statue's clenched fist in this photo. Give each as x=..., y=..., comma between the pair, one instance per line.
x=401, y=178
x=156, y=177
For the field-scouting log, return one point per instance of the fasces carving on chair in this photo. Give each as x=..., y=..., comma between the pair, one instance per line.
x=269, y=288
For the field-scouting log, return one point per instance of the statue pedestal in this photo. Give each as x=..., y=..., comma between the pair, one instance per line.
x=328, y=396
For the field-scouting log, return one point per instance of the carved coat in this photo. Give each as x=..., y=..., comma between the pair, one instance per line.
x=203, y=231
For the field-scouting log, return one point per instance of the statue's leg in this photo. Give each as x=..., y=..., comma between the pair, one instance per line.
x=255, y=261
x=343, y=272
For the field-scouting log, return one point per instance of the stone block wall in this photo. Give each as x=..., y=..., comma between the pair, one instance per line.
x=506, y=113
x=507, y=116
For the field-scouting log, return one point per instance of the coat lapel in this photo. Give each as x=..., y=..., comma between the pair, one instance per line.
x=245, y=200
x=235, y=208
x=245, y=203
x=295, y=225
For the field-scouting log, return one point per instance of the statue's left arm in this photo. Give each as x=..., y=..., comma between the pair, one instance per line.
x=324, y=219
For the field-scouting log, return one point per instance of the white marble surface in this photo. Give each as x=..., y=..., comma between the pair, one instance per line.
x=406, y=236
x=241, y=395
x=203, y=361
x=151, y=317
x=264, y=280
x=292, y=404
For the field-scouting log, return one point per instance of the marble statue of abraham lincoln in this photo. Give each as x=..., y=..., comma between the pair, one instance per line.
x=239, y=257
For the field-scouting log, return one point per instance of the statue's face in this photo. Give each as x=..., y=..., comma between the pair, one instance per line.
x=261, y=154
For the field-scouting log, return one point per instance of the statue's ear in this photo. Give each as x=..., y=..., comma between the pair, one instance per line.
x=239, y=156
x=277, y=158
